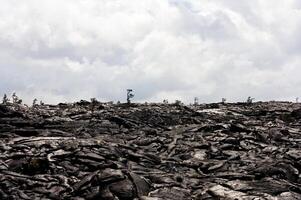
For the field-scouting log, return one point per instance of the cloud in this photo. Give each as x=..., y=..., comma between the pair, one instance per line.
x=163, y=49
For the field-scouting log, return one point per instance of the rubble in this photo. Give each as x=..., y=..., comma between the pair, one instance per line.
x=151, y=151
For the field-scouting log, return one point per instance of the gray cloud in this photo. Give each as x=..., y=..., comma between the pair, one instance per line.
x=163, y=49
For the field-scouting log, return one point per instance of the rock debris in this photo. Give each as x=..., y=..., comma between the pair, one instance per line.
x=77, y=151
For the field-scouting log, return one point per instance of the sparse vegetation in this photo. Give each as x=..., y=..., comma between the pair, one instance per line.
x=130, y=95
x=34, y=103
x=196, y=101
x=250, y=100
x=178, y=103
x=94, y=102
x=16, y=99
x=224, y=100
x=5, y=99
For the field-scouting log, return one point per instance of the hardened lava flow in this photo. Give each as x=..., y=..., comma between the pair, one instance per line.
x=151, y=151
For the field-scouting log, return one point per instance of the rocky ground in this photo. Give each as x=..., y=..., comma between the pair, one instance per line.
x=151, y=151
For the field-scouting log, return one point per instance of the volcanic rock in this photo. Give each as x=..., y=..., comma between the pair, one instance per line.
x=151, y=151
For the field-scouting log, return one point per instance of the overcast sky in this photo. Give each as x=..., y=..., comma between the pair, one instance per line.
x=67, y=50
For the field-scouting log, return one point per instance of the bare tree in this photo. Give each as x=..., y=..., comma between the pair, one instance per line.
x=14, y=98
x=250, y=100
x=93, y=104
x=5, y=99
x=129, y=95
x=224, y=100
x=178, y=103
x=196, y=101
x=34, y=103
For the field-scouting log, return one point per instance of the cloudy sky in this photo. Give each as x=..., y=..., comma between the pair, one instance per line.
x=67, y=50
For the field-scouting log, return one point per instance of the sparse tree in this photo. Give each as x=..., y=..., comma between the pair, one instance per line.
x=41, y=103
x=165, y=101
x=5, y=99
x=34, y=103
x=94, y=101
x=93, y=104
x=178, y=103
x=224, y=100
x=250, y=100
x=196, y=101
x=15, y=98
x=129, y=95
x=297, y=100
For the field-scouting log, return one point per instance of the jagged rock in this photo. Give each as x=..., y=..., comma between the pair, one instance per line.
x=150, y=151
x=173, y=193
x=296, y=113
x=221, y=192
x=294, y=153
x=289, y=196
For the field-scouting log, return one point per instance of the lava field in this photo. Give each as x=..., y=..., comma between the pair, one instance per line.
x=151, y=151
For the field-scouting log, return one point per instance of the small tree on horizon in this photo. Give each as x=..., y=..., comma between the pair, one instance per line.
x=5, y=99
x=14, y=98
x=129, y=96
x=224, y=100
x=178, y=103
x=250, y=100
x=34, y=102
x=93, y=104
x=196, y=101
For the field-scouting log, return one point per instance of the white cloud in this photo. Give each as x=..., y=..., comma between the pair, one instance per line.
x=163, y=49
